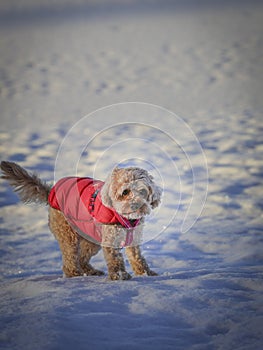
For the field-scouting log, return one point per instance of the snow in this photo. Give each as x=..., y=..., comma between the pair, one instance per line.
x=175, y=87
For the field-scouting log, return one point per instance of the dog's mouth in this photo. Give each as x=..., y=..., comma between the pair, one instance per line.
x=136, y=214
x=133, y=215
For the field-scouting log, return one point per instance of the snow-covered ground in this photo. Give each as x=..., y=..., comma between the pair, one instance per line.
x=201, y=60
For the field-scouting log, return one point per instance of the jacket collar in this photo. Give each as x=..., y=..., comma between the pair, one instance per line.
x=107, y=215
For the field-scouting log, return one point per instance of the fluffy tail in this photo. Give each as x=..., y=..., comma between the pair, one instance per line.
x=28, y=186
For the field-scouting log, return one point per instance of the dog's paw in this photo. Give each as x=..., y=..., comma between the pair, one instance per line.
x=71, y=273
x=88, y=270
x=93, y=272
x=116, y=276
x=152, y=273
x=125, y=276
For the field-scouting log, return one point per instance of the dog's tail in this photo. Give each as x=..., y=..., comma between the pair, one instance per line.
x=29, y=187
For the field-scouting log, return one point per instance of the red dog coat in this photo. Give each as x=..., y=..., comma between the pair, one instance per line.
x=78, y=198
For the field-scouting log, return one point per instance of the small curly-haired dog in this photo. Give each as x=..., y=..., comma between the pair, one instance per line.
x=87, y=214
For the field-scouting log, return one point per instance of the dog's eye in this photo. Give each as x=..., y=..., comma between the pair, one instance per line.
x=125, y=193
x=143, y=193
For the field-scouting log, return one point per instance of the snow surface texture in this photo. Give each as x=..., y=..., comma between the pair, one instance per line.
x=62, y=60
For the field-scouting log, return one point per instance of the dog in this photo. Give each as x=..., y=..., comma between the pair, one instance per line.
x=86, y=215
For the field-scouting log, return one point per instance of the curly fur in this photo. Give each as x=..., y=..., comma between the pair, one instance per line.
x=134, y=180
x=131, y=192
x=29, y=187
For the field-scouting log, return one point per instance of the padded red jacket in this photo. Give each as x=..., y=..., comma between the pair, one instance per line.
x=78, y=198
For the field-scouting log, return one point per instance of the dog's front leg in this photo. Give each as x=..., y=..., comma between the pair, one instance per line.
x=115, y=263
x=138, y=262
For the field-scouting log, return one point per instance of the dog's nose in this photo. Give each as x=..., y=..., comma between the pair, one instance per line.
x=135, y=206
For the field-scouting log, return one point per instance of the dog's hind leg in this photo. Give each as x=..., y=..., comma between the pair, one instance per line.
x=68, y=241
x=71, y=266
x=86, y=251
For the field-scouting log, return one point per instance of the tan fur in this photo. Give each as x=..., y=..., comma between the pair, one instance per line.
x=28, y=186
x=76, y=251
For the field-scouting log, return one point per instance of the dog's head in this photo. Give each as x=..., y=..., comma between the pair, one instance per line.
x=131, y=192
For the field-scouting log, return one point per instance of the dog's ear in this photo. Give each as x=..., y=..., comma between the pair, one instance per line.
x=155, y=196
x=155, y=191
x=105, y=196
x=107, y=190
